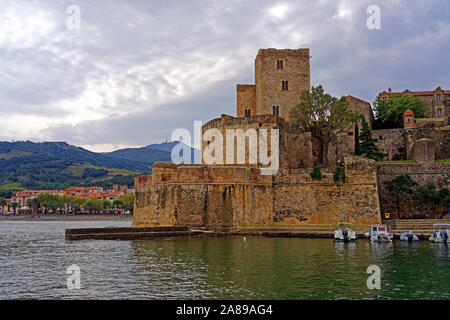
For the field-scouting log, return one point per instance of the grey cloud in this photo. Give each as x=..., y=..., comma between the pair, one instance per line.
x=158, y=66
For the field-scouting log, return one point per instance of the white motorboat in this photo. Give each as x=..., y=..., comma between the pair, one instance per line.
x=379, y=233
x=345, y=233
x=440, y=233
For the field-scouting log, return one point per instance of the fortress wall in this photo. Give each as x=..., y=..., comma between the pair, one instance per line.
x=246, y=99
x=437, y=174
x=440, y=136
x=204, y=197
x=301, y=200
x=217, y=197
x=398, y=143
x=391, y=142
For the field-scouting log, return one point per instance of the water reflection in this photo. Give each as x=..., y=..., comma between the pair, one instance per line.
x=34, y=258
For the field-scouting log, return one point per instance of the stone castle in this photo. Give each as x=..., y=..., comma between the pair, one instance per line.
x=227, y=196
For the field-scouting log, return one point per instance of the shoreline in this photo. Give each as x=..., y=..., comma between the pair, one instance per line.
x=69, y=217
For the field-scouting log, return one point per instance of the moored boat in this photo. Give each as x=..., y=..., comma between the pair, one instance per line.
x=409, y=236
x=440, y=233
x=379, y=233
x=345, y=233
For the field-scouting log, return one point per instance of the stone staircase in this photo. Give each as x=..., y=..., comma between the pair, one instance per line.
x=422, y=225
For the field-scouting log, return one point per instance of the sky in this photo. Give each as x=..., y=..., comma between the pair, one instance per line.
x=110, y=74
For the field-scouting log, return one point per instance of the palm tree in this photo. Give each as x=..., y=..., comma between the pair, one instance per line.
x=3, y=203
x=15, y=205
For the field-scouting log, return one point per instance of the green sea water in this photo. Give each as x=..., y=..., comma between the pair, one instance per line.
x=34, y=258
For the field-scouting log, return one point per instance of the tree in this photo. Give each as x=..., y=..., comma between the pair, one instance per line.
x=357, y=146
x=15, y=205
x=367, y=146
x=322, y=115
x=105, y=205
x=428, y=194
x=127, y=202
x=399, y=188
x=117, y=203
x=390, y=112
x=33, y=204
x=3, y=203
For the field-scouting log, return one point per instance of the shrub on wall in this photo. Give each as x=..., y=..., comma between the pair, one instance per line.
x=339, y=175
x=315, y=174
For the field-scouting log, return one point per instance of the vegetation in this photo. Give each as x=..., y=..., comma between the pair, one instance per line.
x=339, y=174
x=49, y=203
x=389, y=112
x=430, y=195
x=400, y=188
x=367, y=146
x=321, y=114
x=316, y=174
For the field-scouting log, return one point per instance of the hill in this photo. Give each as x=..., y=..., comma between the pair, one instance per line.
x=57, y=165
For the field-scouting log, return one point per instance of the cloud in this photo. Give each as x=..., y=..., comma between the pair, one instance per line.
x=137, y=70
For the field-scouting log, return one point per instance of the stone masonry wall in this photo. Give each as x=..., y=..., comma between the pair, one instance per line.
x=246, y=99
x=227, y=197
x=438, y=174
x=268, y=79
x=301, y=200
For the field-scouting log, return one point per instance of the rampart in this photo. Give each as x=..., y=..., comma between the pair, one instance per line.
x=212, y=197
x=437, y=174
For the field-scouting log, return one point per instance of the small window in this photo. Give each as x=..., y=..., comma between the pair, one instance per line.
x=247, y=113
x=438, y=97
x=284, y=85
x=380, y=137
x=439, y=112
x=350, y=133
x=280, y=64
x=384, y=98
x=276, y=110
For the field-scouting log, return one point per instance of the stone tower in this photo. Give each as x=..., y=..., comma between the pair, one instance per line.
x=408, y=119
x=280, y=77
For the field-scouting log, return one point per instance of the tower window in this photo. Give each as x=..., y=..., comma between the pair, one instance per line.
x=284, y=85
x=279, y=64
x=439, y=112
x=276, y=110
x=247, y=113
x=438, y=97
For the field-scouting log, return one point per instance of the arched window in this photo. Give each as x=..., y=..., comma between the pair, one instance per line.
x=284, y=85
x=439, y=112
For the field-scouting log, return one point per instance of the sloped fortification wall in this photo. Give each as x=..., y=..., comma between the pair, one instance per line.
x=298, y=199
x=228, y=197
x=204, y=197
x=438, y=174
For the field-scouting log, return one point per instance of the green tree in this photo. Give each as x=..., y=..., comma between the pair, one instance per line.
x=106, y=204
x=430, y=195
x=400, y=188
x=316, y=174
x=117, y=203
x=390, y=111
x=33, y=204
x=357, y=145
x=367, y=146
x=127, y=202
x=323, y=115
x=15, y=205
x=3, y=204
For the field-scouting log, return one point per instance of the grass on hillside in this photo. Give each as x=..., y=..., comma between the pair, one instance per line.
x=443, y=160
x=78, y=169
x=12, y=187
